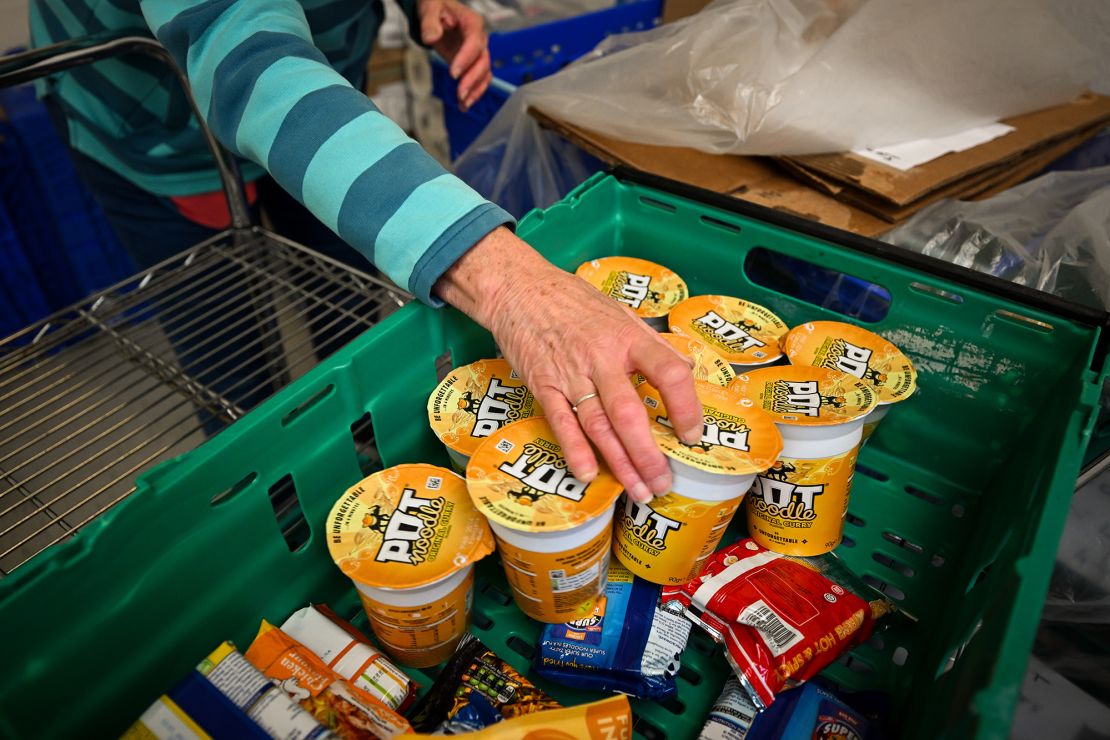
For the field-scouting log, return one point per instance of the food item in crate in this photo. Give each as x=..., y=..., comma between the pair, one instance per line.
x=732, y=714
x=262, y=699
x=745, y=334
x=343, y=708
x=475, y=688
x=408, y=537
x=708, y=365
x=628, y=644
x=473, y=402
x=553, y=530
x=608, y=719
x=780, y=618
x=650, y=290
x=668, y=539
x=349, y=653
x=858, y=352
x=807, y=712
x=798, y=506
x=193, y=709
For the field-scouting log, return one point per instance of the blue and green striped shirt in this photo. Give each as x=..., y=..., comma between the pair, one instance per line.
x=277, y=82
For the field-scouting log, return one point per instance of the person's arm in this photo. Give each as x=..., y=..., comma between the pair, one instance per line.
x=269, y=95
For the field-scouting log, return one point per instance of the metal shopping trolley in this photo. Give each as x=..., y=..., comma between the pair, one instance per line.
x=146, y=369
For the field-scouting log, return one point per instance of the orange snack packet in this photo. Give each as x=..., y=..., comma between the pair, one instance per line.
x=348, y=711
x=608, y=719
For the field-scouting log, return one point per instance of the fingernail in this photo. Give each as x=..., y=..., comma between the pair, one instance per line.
x=662, y=484
x=455, y=71
x=640, y=492
x=691, y=436
x=587, y=475
x=463, y=94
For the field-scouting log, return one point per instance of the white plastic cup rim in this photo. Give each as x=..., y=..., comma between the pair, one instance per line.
x=564, y=540
x=457, y=458
x=424, y=595
x=809, y=442
x=695, y=483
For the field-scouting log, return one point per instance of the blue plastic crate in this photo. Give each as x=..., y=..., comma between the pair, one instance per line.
x=518, y=57
x=66, y=241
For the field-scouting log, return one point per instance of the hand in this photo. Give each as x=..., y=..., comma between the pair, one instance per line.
x=459, y=35
x=567, y=340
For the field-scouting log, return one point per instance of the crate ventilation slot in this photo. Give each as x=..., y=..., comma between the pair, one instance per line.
x=894, y=565
x=366, y=446
x=872, y=473
x=925, y=496
x=819, y=286
x=944, y=295
x=521, y=647
x=1040, y=327
x=289, y=514
x=657, y=204
x=648, y=730
x=892, y=591
x=898, y=657
x=229, y=493
x=301, y=410
x=904, y=543
x=718, y=223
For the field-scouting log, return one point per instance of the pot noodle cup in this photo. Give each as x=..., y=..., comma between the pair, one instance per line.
x=553, y=531
x=473, y=402
x=858, y=352
x=649, y=289
x=408, y=538
x=668, y=539
x=708, y=365
x=797, y=506
x=745, y=334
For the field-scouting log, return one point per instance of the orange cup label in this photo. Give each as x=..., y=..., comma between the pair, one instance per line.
x=743, y=333
x=476, y=400
x=422, y=636
x=649, y=289
x=668, y=540
x=798, y=506
x=557, y=587
x=806, y=395
x=709, y=367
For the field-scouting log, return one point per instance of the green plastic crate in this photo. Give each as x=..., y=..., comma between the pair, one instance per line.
x=956, y=511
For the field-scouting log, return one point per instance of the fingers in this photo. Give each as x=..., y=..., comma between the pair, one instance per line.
x=471, y=49
x=629, y=419
x=474, y=81
x=576, y=448
x=671, y=375
x=595, y=422
x=431, y=22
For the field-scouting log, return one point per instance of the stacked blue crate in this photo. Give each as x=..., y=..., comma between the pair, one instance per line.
x=528, y=54
x=57, y=237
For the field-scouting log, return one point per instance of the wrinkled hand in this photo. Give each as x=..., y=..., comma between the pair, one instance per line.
x=458, y=34
x=567, y=341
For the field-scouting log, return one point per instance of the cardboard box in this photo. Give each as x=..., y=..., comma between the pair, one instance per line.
x=1034, y=133
x=675, y=9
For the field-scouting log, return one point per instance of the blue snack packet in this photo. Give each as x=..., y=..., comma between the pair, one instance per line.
x=810, y=712
x=628, y=645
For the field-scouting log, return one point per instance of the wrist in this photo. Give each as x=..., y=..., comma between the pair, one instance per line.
x=488, y=276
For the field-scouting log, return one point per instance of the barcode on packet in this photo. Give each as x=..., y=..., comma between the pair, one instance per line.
x=777, y=634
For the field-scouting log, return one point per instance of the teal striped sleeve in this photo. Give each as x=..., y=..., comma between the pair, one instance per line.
x=270, y=96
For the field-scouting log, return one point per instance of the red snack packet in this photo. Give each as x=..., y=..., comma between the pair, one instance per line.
x=780, y=618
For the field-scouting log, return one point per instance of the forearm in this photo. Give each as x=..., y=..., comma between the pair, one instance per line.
x=484, y=280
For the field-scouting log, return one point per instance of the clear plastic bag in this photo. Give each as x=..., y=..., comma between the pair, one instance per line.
x=1051, y=233
x=803, y=76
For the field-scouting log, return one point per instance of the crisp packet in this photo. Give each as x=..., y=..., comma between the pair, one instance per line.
x=348, y=711
x=807, y=712
x=608, y=719
x=781, y=618
x=475, y=671
x=732, y=714
x=628, y=645
x=349, y=653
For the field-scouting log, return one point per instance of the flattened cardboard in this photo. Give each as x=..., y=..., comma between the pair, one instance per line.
x=1035, y=130
x=754, y=179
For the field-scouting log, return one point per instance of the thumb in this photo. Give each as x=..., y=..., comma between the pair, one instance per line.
x=431, y=25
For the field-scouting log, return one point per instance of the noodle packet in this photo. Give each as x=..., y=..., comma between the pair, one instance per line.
x=349, y=653
x=781, y=618
x=347, y=710
x=608, y=719
x=628, y=645
x=475, y=689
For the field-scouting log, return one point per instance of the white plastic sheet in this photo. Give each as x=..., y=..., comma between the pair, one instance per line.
x=799, y=77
